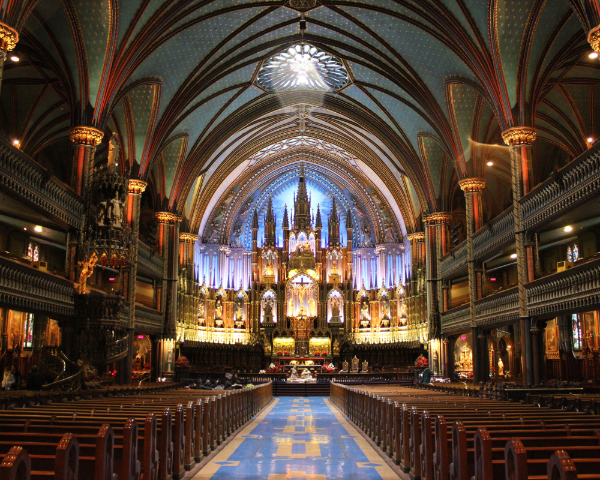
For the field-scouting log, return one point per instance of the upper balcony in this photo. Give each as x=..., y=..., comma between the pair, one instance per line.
x=27, y=288
x=454, y=262
x=150, y=263
x=26, y=180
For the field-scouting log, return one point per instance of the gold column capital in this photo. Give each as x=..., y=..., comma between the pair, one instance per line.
x=188, y=237
x=417, y=236
x=519, y=136
x=472, y=185
x=168, y=218
x=9, y=38
x=136, y=186
x=437, y=218
x=594, y=38
x=88, y=136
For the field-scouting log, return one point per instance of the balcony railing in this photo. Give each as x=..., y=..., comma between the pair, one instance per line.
x=26, y=288
x=573, y=185
x=456, y=319
x=102, y=309
x=575, y=289
x=26, y=179
x=454, y=261
x=148, y=320
x=498, y=308
x=149, y=262
x=495, y=234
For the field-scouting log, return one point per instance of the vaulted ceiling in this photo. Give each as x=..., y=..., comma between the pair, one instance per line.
x=433, y=85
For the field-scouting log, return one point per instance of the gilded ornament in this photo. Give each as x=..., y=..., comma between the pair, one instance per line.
x=168, y=217
x=8, y=38
x=136, y=187
x=86, y=270
x=472, y=185
x=302, y=5
x=519, y=136
x=594, y=38
x=437, y=218
x=89, y=136
x=188, y=237
x=417, y=236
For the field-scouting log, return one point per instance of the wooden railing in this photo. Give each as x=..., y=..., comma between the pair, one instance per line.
x=148, y=320
x=455, y=319
x=27, y=180
x=497, y=308
x=453, y=262
x=575, y=289
x=495, y=234
x=26, y=288
x=149, y=262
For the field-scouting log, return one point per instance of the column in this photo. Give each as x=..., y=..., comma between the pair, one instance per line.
x=535, y=340
x=85, y=139
x=135, y=188
x=520, y=140
x=8, y=41
x=473, y=188
x=168, y=226
x=187, y=242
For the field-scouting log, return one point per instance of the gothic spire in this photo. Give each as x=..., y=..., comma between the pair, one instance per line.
x=349, y=225
x=270, y=224
x=286, y=221
x=318, y=222
x=333, y=226
x=255, y=220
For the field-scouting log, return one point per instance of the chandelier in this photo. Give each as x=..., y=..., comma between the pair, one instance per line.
x=303, y=67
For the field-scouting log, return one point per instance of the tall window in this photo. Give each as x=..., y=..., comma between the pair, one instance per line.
x=36, y=253
x=575, y=253
x=577, y=344
x=30, y=251
x=28, y=331
x=569, y=254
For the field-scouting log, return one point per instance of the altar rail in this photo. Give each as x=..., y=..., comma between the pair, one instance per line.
x=27, y=180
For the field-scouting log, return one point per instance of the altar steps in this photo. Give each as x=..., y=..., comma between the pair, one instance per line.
x=283, y=389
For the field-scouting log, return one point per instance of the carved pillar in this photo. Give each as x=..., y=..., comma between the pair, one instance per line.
x=473, y=188
x=189, y=296
x=86, y=139
x=135, y=188
x=520, y=140
x=168, y=225
x=8, y=41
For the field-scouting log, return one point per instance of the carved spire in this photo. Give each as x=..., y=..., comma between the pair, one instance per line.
x=270, y=224
x=302, y=204
x=318, y=222
x=333, y=226
x=349, y=225
x=255, y=220
x=286, y=220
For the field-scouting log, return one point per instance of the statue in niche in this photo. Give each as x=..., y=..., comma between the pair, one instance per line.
x=390, y=234
x=102, y=210
x=237, y=238
x=113, y=153
x=214, y=234
x=335, y=309
x=365, y=314
x=366, y=233
x=268, y=308
x=218, y=309
x=116, y=217
x=500, y=367
x=312, y=307
x=385, y=313
x=201, y=313
x=334, y=265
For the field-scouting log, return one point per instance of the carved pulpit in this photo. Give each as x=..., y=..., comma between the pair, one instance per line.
x=355, y=364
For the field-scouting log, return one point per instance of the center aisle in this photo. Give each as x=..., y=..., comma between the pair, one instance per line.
x=298, y=438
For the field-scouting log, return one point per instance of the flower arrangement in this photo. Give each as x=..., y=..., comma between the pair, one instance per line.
x=286, y=353
x=421, y=361
x=280, y=353
x=182, y=362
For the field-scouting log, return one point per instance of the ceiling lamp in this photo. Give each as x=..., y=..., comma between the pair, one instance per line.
x=38, y=228
x=490, y=164
x=568, y=228
x=16, y=143
x=593, y=55
x=514, y=255
x=14, y=58
x=303, y=67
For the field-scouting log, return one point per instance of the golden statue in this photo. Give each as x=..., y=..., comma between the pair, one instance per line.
x=87, y=268
x=312, y=307
x=291, y=308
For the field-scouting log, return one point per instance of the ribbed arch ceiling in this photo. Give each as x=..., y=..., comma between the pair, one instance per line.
x=154, y=70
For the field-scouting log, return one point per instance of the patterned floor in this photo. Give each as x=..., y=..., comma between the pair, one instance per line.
x=298, y=438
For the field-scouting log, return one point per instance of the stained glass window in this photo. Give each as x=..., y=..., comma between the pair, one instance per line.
x=303, y=67
x=30, y=250
x=576, y=332
x=36, y=254
x=569, y=254
x=575, y=253
x=28, y=331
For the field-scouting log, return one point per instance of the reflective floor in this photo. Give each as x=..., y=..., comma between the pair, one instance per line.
x=298, y=438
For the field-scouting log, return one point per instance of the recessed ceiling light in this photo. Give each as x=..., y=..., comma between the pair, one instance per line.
x=38, y=228
x=568, y=228
x=24, y=228
x=15, y=58
x=16, y=143
x=590, y=139
x=593, y=55
x=514, y=255
x=489, y=164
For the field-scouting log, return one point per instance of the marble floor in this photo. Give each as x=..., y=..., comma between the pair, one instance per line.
x=298, y=438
